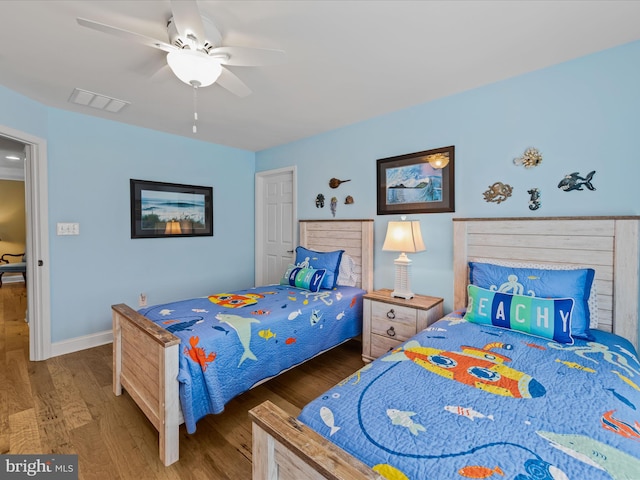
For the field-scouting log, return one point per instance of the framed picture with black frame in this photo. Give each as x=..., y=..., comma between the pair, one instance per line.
x=421, y=182
x=160, y=210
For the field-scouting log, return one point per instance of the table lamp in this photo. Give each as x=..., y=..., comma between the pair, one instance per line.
x=404, y=236
x=173, y=228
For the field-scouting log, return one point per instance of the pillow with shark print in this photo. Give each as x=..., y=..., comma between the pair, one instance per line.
x=542, y=283
x=305, y=278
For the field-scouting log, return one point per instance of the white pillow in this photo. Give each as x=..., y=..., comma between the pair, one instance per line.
x=593, y=295
x=347, y=275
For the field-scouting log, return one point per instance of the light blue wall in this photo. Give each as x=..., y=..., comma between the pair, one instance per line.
x=23, y=114
x=582, y=115
x=90, y=163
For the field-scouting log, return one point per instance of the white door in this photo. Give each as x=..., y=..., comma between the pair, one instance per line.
x=275, y=223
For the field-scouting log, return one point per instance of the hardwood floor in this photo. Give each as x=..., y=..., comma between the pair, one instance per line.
x=65, y=405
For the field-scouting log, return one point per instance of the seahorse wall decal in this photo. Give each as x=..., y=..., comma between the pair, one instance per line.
x=534, y=200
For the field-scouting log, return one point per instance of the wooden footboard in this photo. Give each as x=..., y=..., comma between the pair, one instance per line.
x=285, y=449
x=145, y=364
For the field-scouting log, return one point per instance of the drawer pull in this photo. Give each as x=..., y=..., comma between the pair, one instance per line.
x=391, y=314
x=391, y=332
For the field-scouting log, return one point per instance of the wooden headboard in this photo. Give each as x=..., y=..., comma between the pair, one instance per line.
x=355, y=237
x=607, y=244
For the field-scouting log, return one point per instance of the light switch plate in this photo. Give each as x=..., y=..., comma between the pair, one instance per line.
x=68, y=228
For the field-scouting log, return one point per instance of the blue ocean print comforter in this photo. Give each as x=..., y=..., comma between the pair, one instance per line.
x=231, y=341
x=461, y=400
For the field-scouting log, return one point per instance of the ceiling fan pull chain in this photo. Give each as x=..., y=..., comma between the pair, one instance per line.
x=195, y=107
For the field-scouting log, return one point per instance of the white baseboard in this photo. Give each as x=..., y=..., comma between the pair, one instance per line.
x=81, y=343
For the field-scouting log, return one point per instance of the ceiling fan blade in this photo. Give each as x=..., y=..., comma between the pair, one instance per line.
x=249, y=57
x=213, y=35
x=126, y=34
x=186, y=16
x=231, y=82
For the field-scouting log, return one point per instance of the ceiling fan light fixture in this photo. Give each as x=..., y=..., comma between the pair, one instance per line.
x=194, y=66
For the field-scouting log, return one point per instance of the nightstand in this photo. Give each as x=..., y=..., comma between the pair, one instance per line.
x=388, y=321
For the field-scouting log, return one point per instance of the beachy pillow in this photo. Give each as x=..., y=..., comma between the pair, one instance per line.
x=543, y=283
x=306, y=278
x=328, y=261
x=593, y=293
x=543, y=317
x=347, y=275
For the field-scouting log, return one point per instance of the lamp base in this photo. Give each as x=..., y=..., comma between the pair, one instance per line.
x=406, y=295
x=403, y=280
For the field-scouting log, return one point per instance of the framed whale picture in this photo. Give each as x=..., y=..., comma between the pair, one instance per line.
x=421, y=182
x=161, y=210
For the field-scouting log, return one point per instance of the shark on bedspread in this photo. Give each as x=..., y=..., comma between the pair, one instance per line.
x=620, y=465
x=242, y=326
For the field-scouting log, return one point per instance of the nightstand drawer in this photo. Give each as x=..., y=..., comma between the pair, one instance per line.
x=393, y=321
x=387, y=321
x=381, y=345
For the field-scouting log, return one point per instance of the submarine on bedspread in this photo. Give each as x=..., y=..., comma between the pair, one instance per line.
x=231, y=341
x=462, y=400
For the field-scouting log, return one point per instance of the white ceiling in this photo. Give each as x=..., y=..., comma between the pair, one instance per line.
x=347, y=61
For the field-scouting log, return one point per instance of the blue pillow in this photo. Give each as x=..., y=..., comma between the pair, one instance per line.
x=306, y=278
x=329, y=261
x=537, y=282
x=543, y=317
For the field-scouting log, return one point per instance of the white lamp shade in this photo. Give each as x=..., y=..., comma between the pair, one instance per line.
x=194, y=67
x=404, y=237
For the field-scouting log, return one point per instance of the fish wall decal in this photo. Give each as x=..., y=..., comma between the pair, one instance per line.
x=574, y=181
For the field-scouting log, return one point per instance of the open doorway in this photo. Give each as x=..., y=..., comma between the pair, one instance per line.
x=13, y=226
x=13, y=243
x=34, y=175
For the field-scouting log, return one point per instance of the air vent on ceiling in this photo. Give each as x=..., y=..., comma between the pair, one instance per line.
x=97, y=100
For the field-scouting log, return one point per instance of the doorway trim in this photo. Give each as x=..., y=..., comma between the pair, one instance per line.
x=261, y=178
x=37, y=248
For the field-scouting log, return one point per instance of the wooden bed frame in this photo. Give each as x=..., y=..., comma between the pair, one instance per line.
x=284, y=448
x=145, y=356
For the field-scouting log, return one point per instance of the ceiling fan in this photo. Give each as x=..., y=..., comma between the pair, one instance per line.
x=195, y=52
